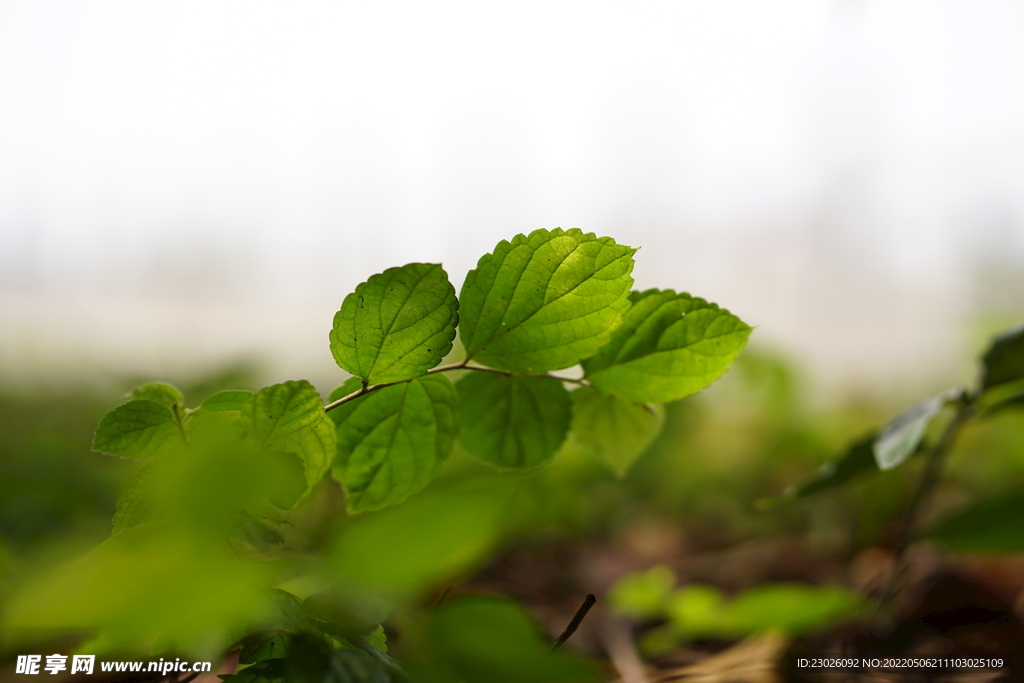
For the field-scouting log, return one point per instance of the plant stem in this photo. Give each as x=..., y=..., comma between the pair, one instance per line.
x=588, y=602
x=463, y=365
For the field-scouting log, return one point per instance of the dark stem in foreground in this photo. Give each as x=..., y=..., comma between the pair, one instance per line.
x=588, y=602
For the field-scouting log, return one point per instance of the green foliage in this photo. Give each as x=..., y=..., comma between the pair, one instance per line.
x=514, y=422
x=669, y=346
x=140, y=428
x=391, y=442
x=396, y=325
x=432, y=537
x=161, y=392
x=545, y=301
x=616, y=430
x=231, y=399
x=282, y=412
x=484, y=640
x=643, y=595
x=702, y=611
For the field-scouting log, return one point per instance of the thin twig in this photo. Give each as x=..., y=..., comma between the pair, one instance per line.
x=588, y=602
x=366, y=389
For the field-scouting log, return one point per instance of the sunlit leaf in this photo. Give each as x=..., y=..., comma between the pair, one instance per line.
x=669, y=346
x=515, y=422
x=396, y=325
x=161, y=392
x=615, y=429
x=231, y=399
x=316, y=450
x=391, y=441
x=283, y=412
x=137, y=429
x=545, y=301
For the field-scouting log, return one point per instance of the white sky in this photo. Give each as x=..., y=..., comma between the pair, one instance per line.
x=285, y=151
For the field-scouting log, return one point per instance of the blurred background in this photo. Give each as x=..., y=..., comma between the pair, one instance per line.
x=190, y=185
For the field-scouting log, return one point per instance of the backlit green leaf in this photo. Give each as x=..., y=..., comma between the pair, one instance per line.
x=990, y=526
x=669, y=346
x=137, y=429
x=1004, y=360
x=901, y=437
x=615, y=429
x=545, y=301
x=161, y=392
x=516, y=422
x=283, y=412
x=391, y=441
x=396, y=325
x=232, y=399
x=316, y=450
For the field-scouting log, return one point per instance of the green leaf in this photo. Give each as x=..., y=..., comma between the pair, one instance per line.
x=349, y=386
x=796, y=609
x=487, y=640
x=135, y=505
x=699, y=611
x=345, y=611
x=232, y=399
x=614, y=429
x=902, y=437
x=858, y=459
x=355, y=666
x=545, y=301
x=137, y=429
x=990, y=526
x=391, y=441
x=396, y=325
x=161, y=392
x=1004, y=360
x=515, y=422
x=262, y=646
x=433, y=536
x=283, y=412
x=669, y=346
x=316, y=450
x=642, y=595
x=266, y=671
